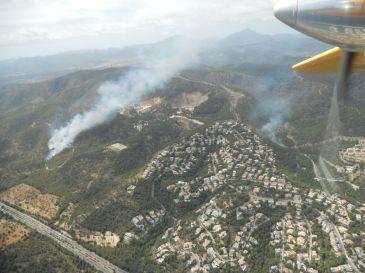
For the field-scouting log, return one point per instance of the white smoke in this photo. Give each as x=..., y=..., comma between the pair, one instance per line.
x=270, y=128
x=126, y=91
x=271, y=107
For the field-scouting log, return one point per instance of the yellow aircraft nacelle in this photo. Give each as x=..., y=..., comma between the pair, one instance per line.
x=330, y=62
x=337, y=22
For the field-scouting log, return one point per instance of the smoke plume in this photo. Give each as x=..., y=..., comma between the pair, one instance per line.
x=271, y=108
x=127, y=90
x=270, y=128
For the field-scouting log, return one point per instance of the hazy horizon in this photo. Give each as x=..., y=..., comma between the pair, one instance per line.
x=42, y=27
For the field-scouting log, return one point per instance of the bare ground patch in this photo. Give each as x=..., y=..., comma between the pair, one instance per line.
x=32, y=200
x=11, y=232
x=189, y=100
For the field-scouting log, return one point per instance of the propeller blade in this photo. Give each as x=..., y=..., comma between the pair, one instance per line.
x=344, y=74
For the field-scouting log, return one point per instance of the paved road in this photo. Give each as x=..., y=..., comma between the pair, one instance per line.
x=281, y=265
x=318, y=174
x=196, y=81
x=198, y=122
x=310, y=239
x=197, y=267
x=89, y=257
x=341, y=243
x=327, y=141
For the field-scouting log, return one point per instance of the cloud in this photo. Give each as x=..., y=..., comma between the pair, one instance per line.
x=25, y=22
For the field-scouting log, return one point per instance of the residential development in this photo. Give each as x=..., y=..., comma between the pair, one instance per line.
x=251, y=192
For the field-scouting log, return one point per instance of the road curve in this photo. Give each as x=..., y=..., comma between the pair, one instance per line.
x=87, y=256
x=343, y=248
x=341, y=243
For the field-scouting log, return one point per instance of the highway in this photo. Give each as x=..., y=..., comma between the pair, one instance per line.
x=67, y=243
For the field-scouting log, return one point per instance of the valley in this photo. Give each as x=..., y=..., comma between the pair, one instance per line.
x=187, y=179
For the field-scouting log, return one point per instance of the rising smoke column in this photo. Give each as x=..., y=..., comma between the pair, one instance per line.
x=270, y=107
x=126, y=91
x=270, y=128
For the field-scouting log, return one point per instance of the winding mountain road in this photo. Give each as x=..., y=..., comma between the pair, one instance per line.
x=340, y=241
x=67, y=243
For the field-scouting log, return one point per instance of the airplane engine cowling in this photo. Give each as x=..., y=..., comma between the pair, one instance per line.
x=337, y=22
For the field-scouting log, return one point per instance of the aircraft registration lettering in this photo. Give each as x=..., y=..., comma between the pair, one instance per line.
x=347, y=30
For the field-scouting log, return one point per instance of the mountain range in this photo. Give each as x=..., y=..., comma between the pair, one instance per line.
x=244, y=46
x=240, y=85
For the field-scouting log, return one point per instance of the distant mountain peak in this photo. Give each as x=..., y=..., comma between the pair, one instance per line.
x=246, y=36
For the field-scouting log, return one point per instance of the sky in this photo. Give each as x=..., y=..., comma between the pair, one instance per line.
x=44, y=27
